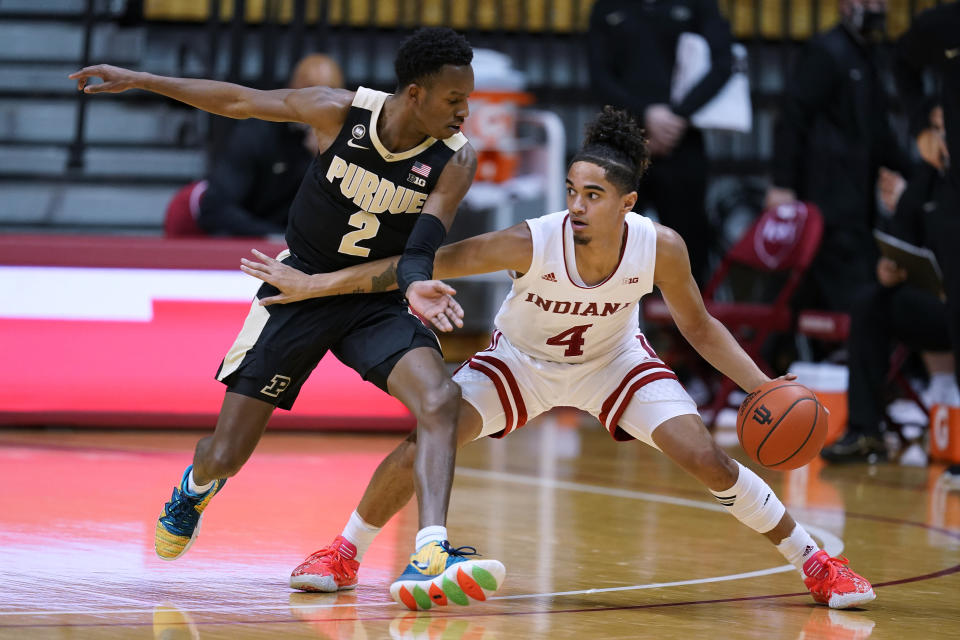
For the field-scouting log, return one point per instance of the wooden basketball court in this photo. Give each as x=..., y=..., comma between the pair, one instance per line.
x=600, y=540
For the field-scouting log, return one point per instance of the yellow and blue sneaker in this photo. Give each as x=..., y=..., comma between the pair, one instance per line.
x=179, y=523
x=439, y=574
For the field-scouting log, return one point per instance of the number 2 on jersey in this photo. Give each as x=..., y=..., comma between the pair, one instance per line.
x=367, y=226
x=572, y=339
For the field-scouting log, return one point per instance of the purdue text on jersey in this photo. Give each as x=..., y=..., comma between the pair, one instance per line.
x=370, y=192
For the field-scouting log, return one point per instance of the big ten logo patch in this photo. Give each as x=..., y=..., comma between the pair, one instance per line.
x=278, y=384
x=763, y=415
x=417, y=180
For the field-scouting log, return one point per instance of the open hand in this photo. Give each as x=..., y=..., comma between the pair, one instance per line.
x=932, y=141
x=777, y=196
x=294, y=285
x=664, y=128
x=889, y=273
x=115, y=79
x=433, y=300
x=933, y=148
x=891, y=185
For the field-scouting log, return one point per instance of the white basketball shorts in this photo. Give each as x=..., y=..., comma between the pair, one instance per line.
x=631, y=392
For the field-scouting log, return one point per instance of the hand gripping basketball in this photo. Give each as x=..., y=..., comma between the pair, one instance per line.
x=782, y=425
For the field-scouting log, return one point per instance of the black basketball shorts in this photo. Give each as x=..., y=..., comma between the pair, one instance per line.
x=279, y=345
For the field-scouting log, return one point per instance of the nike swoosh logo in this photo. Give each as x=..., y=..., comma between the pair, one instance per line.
x=422, y=566
x=352, y=143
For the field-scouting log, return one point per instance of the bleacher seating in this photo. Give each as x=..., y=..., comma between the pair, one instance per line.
x=132, y=152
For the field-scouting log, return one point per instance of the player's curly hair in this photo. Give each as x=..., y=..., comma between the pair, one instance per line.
x=614, y=141
x=426, y=51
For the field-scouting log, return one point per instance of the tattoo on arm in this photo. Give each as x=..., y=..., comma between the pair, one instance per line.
x=385, y=279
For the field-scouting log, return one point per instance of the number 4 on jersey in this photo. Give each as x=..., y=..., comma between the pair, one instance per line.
x=572, y=339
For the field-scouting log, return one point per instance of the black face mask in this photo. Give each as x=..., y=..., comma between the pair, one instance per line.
x=872, y=25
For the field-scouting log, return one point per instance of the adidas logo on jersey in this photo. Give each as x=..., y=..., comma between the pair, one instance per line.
x=550, y=277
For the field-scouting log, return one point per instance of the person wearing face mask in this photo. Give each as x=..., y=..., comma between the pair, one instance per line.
x=932, y=44
x=832, y=138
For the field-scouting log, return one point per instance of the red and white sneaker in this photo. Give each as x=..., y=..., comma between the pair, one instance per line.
x=833, y=583
x=332, y=568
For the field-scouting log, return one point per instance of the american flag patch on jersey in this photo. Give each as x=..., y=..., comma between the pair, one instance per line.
x=422, y=169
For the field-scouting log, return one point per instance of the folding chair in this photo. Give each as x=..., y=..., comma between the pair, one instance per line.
x=180, y=219
x=775, y=252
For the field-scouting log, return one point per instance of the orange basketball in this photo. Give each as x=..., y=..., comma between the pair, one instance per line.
x=782, y=425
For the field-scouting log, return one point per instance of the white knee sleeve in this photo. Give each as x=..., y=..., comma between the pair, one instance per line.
x=752, y=501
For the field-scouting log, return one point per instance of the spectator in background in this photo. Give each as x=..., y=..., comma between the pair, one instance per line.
x=895, y=310
x=632, y=47
x=933, y=43
x=256, y=172
x=831, y=140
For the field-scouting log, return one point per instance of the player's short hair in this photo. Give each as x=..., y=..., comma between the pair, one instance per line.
x=425, y=52
x=615, y=142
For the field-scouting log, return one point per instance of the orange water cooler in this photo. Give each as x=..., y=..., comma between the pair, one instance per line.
x=829, y=383
x=945, y=433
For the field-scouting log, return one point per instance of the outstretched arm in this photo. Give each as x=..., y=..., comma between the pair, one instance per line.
x=320, y=107
x=704, y=332
x=509, y=249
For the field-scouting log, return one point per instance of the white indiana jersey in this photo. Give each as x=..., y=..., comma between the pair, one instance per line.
x=551, y=314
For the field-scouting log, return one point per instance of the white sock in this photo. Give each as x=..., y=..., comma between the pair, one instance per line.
x=197, y=489
x=360, y=534
x=943, y=390
x=798, y=547
x=434, y=533
x=751, y=501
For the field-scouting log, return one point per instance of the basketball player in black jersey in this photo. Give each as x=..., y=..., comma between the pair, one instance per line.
x=390, y=173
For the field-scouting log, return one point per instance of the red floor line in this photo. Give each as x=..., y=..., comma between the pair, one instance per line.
x=926, y=576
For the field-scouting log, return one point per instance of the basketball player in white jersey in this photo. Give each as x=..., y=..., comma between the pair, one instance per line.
x=578, y=277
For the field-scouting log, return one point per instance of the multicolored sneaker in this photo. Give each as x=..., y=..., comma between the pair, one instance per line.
x=332, y=568
x=179, y=523
x=439, y=574
x=833, y=583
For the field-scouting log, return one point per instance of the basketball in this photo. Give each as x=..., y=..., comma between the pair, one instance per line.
x=782, y=425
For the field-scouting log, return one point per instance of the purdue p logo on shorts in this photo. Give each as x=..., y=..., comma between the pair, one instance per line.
x=277, y=386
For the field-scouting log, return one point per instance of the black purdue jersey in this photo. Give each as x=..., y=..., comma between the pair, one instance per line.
x=359, y=201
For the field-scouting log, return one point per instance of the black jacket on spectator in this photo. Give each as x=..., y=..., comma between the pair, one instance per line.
x=633, y=48
x=254, y=178
x=832, y=137
x=834, y=133
x=882, y=316
x=933, y=42
x=920, y=215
